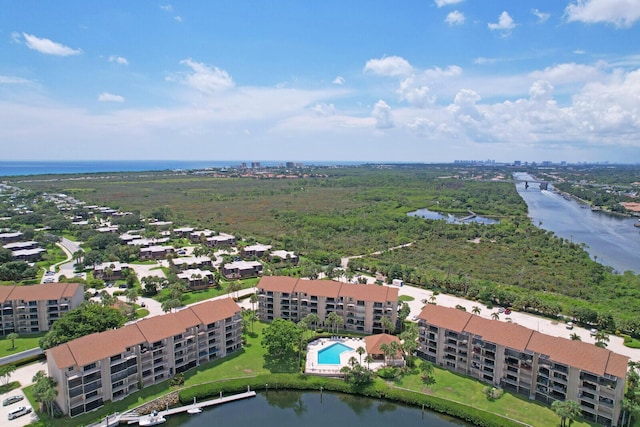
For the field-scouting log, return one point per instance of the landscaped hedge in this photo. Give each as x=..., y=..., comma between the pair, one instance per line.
x=377, y=390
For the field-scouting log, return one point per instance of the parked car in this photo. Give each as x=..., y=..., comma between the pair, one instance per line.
x=569, y=325
x=501, y=310
x=593, y=332
x=23, y=410
x=507, y=311
x=12, y=399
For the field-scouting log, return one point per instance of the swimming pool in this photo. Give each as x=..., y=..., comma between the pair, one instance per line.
x=331, y=354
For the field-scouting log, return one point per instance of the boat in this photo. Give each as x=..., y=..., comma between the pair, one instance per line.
x=152, y=419
x=195, y=410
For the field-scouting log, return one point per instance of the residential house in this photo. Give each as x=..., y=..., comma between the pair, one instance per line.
x=184, y=263
x=257, y=251
x=284, y=256
x=221, y=239
x=156, y=252
x=241, y=269
x=196, y=279
x=110, y=270
x=111, y=365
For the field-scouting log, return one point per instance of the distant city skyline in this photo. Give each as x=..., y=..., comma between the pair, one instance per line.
x=421, y=81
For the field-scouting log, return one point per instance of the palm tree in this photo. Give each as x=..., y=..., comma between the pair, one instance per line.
x=476, y=310
x=602, y=338
x=387, y=325
x=368, y=358
x=495, y=315
x=253, y=299
x=426, y=368
x=360, y=350
x=567, y=410
x=384, y=347
x=575, y=337
x=132, y=295
x=432, y=299
x=234, y=287
x=302, y=326
x=312, y=319
x=13, y=337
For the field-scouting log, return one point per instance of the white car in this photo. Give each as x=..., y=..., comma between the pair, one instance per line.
x=23, y=410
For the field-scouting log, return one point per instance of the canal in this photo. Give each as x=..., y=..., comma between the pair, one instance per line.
x=610, y=239
x=311, y=409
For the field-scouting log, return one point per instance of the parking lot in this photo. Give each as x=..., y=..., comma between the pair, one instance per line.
x=4, y=410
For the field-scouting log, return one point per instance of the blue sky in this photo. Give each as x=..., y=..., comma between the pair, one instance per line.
x=358, y=80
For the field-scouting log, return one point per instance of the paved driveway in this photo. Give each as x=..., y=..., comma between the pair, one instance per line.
x=24, y=376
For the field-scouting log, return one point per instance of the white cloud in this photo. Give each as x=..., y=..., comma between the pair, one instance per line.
x=455, y=18
x=568, y=73
x=49, y=47
x=16, y=37
x=339, y=80
x=166, y=7
x=542, y=17
x=382, y=115
x=13, y=80
x=118, y=60
x=416, y=95
x=441, y=3
x=178, y=18
x=505, y=23
x=389, y=66
x=621, y=13
x=203, y=78
x=324, y=110
x=481, y=60
x=109, y=97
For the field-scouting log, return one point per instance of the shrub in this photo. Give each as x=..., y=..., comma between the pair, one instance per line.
x=388, y=372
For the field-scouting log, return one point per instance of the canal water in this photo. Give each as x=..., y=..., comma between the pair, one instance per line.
x=293, y=409
x=611, y=240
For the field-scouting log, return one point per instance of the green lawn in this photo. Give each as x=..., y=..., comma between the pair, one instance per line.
x=405, y=298
x=452, y=386
x=22, y=343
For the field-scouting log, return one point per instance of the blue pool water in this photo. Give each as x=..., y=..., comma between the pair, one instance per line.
x=331, y=354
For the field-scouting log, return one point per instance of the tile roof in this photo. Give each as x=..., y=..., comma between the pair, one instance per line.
x=369, y=292
x=282, y=284
x=373, y=342
x=507, y=334
x=41, y=292
x=320, y=288
x=577, y=354
x=449, y=318
x=92, y=348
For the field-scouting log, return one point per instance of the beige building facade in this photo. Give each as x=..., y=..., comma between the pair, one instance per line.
x=361, y=307
x=521, y=360
x=113, y=364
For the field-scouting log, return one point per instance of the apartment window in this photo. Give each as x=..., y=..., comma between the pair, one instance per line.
x=89, y=367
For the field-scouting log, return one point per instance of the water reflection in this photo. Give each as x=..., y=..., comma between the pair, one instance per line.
x=452, y=219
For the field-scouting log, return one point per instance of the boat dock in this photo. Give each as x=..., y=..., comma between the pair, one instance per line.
x=133, y=418
x=205, y=403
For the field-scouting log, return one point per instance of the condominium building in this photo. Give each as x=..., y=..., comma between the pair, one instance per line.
x=361, y=307
x=539, y=366
x=113, y=364
x=31, y=309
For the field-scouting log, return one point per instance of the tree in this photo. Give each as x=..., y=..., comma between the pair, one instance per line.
x=602, y=338
x=567, y=410
x=302, y=327
x=432, y=299
x=5, y=373
x=360, y=350
x=44, y=391
x=476, y=310
x=369, y=359
x=409, y=340
x=495, y=315
x=170, y=304
x=426, y=370
x=280, y=339
x=107, y=299
x=132, y=295
x=387, y=325
x=404, y=312
x=234, y=287
x=312, y=319
x=86, y=319
x=253, y=299
x=332, y=320
x=13, y=337
x=575, y=337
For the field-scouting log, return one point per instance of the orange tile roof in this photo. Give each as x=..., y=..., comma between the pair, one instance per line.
x=449, y=318
x=581, y=355
x=321, y=288
x=373, y=342
x=369, y=292
x=40, y=292
x=92, y=348
x=282, y=284
x=214, y=311
x=160, y=327
x=507, y=334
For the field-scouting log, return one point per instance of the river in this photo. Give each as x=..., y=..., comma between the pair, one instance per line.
x=293, y=409
x=611, y=240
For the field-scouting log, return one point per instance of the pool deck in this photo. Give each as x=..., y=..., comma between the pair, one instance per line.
x=312, y=367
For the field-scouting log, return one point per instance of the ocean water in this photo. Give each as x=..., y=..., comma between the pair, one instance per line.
x=15, y=168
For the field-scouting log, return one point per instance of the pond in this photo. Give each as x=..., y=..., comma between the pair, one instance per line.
x=283, y=408
x=452, y=219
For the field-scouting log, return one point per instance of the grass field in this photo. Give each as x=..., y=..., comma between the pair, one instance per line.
x=22, y=343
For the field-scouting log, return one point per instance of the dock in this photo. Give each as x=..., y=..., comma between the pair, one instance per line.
x=133, y=418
